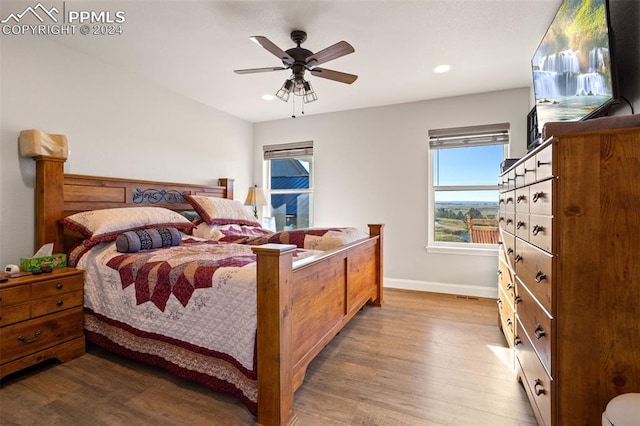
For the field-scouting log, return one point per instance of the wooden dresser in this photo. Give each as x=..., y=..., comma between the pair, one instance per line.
x=41, y=317
x=569, y=272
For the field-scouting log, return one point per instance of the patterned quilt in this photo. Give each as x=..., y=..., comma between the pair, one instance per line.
x=309, y=238
x=194, y=304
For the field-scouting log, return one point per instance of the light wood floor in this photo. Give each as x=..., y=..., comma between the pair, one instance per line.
x=422, y=359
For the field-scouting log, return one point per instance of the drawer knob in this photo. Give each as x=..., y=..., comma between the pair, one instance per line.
x=31, y=340
x=539, y=332
x=539, y=389
x=59, y=303
x=520, y=198
x=517, y=341
x=59, y=286
x=518, y=299
x=509, y=250
x=520, y=224
x=509, y=221
x=509, y=286
x=517, y=259
x=499, y=301
x=537, y=229
x=538, y=196
x=540, y=276
x=499, y=272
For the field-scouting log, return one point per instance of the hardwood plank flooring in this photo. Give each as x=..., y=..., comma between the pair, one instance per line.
x=421, y=359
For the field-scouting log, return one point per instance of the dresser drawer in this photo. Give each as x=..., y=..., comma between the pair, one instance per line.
x=541, y=197
x=14, y=295
x=543, y=165
x=57, y=286
x=15, y=313
x=48, y=305
x=27, y=337
x=529, y=170
x=507, y=317
x=509, y=247
x=537, y=324
x=522, y=200
x=506, y=280
x=509, y=204
x=535, y=268
x=538, y=385
x=522, y=226
x=541, y=231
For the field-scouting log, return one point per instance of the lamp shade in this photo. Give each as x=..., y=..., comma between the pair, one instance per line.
x=255, y=198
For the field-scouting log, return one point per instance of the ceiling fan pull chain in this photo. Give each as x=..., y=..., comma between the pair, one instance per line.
x=293, y=112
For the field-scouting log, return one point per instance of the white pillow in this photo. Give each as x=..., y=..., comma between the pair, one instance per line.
x=221, y=211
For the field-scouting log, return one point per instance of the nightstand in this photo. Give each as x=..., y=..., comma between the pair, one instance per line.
x=41, y=317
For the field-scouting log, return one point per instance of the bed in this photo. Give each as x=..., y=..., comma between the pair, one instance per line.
x=301, y=305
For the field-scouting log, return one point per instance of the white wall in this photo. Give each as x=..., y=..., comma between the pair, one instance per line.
x=117, y=125
x=371, y=166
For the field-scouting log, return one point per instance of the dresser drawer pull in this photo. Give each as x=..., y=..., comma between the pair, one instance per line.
x=509, y=286
x=538, y=196
x=539, y=332
x=509, y=250
x=518, y=299
x=59, y=303
x=517, y=341
x=541, y=163
x=517, y=259
x=520, y=198
x=529, y=170
x=501, y=219
x=510, y=199
x=499, y=301
x=540, y=276
x=59, y=286
x=509, y=221
x=537, y=229
x=539, y=388
x=520, y=224
x=510, y=323
x=33, y=339
x=499, y=272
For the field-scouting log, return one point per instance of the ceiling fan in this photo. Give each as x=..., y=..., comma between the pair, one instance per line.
x=299, y=60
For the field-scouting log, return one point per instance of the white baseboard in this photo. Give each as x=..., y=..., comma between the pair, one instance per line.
x=434, y=287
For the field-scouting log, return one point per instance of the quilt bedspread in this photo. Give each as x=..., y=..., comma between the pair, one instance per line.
x=200, y=293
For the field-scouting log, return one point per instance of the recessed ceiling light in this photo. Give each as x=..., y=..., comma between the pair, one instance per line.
x=268, y=97
x=442, y=69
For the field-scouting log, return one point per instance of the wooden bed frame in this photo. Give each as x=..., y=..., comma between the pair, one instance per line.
x=300, y=306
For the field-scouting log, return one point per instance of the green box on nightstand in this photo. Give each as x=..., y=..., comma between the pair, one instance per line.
x=30, y=264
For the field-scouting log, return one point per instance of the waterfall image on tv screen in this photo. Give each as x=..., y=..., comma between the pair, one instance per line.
x=572, y=76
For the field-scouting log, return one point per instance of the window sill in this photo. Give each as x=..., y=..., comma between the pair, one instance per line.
x=491, y=251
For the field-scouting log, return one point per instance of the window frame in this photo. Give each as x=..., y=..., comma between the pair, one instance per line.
x=451, y=247
x=290, y=151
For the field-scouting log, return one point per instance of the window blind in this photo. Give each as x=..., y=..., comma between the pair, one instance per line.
x=288, y=150
x=457, y=137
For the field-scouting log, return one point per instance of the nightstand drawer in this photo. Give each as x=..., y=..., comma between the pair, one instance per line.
x=14, y=296
x=15, y=313
x=56, y=303
x=56, y=286
x=37, y=334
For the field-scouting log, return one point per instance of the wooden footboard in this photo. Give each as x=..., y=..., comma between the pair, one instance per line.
x=301, y=307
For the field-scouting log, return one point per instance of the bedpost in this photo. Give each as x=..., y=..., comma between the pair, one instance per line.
x=377, y=230
x=228, y=184
x=49, y=201
x=274, y=348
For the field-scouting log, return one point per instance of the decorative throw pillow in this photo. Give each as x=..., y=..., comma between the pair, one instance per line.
x=105, y=225
x=145, y=239
x=221, y=211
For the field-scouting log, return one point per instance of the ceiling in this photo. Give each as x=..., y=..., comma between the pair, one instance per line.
x=192, y=48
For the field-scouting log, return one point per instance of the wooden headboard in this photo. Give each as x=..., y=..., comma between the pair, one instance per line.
x=59, y=195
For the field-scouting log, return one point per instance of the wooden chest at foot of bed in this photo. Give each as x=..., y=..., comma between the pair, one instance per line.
x=41, y=317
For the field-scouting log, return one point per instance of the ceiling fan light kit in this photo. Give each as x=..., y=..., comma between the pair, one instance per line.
x=299, y=60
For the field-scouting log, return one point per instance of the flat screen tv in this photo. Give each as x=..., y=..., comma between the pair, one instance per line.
x=573, y=68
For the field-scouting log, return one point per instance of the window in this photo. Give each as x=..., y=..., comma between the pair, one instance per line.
x=465, y=163
x=290, y=184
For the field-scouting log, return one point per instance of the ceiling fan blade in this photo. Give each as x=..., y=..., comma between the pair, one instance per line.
x=332, y=52
x=255, y=70
x=342, y=77
x=271, y=47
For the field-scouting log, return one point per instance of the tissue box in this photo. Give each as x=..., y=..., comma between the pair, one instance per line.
x=29, y=264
